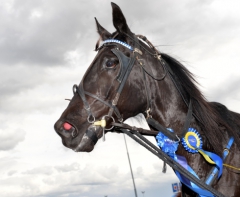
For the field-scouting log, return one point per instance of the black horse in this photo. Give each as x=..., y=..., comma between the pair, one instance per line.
x=129, y=76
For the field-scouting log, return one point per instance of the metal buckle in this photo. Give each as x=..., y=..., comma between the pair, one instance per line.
x=178, y=139
x=136, y=50
x=93, y=119
x=107, y=129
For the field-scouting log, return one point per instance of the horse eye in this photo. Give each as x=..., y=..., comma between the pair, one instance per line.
x=111, y=63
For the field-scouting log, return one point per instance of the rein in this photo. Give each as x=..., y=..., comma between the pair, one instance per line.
x=134, y=133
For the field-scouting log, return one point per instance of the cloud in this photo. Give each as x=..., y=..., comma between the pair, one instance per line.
x=12, y=172
x=68, y=168
x=43, y=170
x=41, y=33
x=11, y=138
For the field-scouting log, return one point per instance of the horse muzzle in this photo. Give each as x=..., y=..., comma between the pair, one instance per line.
x=74, y=139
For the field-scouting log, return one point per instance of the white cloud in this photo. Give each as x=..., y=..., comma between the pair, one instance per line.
x=10, y=138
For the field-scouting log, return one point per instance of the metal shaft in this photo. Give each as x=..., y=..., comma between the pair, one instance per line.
x=135, y=191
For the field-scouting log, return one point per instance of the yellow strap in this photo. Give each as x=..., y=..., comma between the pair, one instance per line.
x=229, y=166
x=208, y=159
x=101, y=123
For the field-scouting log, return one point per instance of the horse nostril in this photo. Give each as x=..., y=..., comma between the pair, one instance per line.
x=67, y=126
x=74, y=133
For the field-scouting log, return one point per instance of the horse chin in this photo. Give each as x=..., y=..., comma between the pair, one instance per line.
x=89, y=139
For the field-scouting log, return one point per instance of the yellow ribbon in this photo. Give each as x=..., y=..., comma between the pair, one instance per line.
x=206, y=157
x=229, y=166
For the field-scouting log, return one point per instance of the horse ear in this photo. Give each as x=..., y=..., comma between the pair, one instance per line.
x=104, y=34
x=119, y=20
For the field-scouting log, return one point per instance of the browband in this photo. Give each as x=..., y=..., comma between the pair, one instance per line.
x=119, y=42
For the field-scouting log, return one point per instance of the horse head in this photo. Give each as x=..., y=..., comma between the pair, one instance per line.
x=113, y=81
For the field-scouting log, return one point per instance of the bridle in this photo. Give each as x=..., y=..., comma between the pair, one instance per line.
x=126, y=64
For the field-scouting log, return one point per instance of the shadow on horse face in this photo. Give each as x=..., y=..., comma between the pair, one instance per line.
x=93, y=99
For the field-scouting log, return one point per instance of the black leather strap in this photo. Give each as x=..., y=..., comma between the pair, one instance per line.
x=116, y=111
x=188, y=120
x=124, y=62
x=156, y=125
x=92, y=135
x=81, y=93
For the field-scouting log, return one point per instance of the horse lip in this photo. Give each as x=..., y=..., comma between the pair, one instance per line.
x=87, y=142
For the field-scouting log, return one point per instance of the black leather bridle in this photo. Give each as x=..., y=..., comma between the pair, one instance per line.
x=126, y=64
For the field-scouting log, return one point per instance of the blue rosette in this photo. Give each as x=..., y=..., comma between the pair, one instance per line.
x=192, y=141
x=168, y=146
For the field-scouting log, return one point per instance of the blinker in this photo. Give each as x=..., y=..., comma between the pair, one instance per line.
x=124, y=62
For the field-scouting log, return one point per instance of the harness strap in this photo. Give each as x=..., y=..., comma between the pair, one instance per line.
x=149, y=101
x=152, y=122
x=115, y=109
x=188, y=120
x=140, y=130
x=214, y=171
x=81, y=93
x=124, y=79
x=135, y=135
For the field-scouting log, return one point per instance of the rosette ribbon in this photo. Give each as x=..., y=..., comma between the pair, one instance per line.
x=192, y=142
x=168, y=146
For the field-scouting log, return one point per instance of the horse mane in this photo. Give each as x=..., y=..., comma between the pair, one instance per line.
x=207, y=114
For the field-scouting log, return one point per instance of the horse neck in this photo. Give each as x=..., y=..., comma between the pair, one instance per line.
x=168, y=107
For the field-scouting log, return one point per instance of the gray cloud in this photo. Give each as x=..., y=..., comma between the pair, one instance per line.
x=10, y=138
x=41, y=33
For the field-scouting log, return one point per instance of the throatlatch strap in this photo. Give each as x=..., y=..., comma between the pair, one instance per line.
x=161, y=128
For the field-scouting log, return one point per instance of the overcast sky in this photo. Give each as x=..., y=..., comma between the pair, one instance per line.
x=45, y=48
